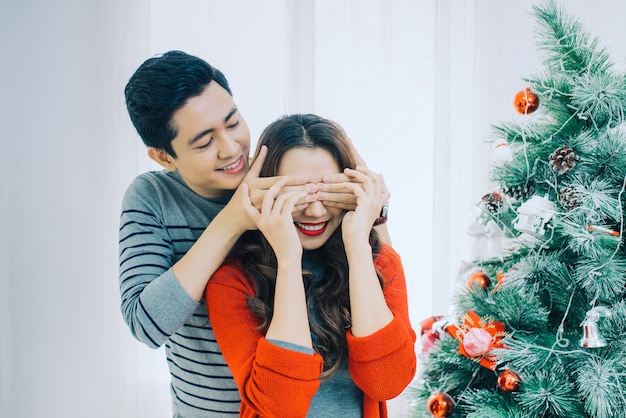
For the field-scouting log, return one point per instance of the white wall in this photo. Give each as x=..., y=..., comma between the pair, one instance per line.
x=69, y=151
x=65, y=160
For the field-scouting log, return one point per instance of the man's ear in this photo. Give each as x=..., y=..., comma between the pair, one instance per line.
x=162, y=158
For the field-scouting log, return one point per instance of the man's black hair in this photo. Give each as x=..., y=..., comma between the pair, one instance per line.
x=162, y=85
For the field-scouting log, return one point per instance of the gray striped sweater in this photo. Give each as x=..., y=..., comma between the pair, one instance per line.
x=161, y=218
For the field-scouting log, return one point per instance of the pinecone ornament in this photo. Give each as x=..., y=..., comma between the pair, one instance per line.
x=569, y=198
x=492, y=202
x=563, y=159
x=520, y=192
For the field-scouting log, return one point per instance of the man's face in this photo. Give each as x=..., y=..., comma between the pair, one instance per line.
x=213, y=142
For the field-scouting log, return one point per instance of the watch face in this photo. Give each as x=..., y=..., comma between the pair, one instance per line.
x=384, y=210
x=382, y=218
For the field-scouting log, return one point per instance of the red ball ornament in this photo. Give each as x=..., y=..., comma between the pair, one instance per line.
x=526, y=102
x=479, y=278
x=508, y=381
x=440, y=404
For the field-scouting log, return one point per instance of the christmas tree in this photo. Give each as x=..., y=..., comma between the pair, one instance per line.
x=537, y=327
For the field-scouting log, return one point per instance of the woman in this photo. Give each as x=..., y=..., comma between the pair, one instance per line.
x=310, y=310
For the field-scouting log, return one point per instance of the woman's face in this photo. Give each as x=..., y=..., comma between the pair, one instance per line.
x=315, y=223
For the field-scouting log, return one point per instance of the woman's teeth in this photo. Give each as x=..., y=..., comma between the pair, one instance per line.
x=311, y=227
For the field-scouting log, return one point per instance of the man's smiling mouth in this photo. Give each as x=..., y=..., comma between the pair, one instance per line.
x=234, y=167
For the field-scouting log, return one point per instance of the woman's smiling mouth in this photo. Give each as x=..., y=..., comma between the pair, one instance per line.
x=311, y=229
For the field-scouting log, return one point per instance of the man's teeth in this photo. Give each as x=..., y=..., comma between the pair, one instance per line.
x=230, y=167
x=309, y=227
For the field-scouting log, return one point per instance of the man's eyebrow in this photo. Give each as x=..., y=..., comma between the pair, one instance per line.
x=230, y=114
x=208, y=131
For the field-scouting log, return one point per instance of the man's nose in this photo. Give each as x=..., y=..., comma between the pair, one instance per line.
x=228, y=147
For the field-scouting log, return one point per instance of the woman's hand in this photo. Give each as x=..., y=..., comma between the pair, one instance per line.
x=259, y=186
x=275, y=218
x=367, y=190
x=368, y=306
x=332, y=192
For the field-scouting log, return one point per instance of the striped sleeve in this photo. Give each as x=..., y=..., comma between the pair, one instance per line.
x=153, y=303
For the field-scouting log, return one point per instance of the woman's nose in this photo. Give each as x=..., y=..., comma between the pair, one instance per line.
x=315, y=209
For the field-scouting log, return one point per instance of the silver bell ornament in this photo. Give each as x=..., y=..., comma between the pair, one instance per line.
x=591, y=334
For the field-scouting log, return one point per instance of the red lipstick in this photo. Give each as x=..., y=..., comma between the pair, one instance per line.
x=311, y=229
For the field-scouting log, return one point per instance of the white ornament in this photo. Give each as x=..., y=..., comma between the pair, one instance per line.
x=533, y=216
x=502, y=153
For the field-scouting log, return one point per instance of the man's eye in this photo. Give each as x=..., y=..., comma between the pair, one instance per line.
x=206, y=145
x=234, y=125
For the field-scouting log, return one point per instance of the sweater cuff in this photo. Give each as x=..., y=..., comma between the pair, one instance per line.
x=291, y=346
x=293, y=364
x=167, y=302
x=380, y=344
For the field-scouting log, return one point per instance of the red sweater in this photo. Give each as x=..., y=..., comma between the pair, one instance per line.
x=278, y=382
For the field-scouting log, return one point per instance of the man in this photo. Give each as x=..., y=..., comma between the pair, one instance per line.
x=178, y=225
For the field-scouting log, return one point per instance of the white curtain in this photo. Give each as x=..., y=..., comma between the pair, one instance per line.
x=416, y=84
x=66, y=154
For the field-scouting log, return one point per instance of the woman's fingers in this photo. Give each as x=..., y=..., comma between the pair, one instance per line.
x=248, y=208
x=338, y=190
x=270, y=195
x=260, y=186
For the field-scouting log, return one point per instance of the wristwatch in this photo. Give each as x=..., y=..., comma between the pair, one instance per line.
x=382, y=218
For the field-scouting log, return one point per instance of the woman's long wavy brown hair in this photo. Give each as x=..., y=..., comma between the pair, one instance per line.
x=330, y=294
